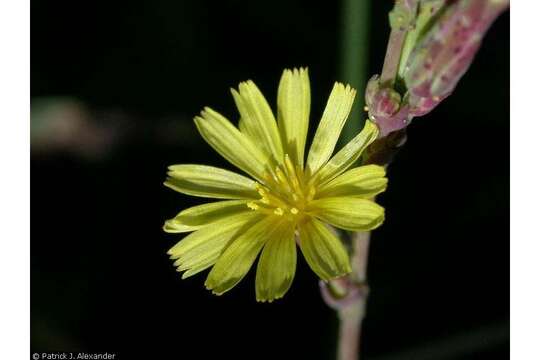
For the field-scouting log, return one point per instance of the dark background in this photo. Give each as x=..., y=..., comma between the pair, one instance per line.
x=114, y=88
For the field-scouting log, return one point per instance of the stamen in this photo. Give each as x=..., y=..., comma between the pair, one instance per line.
x=275, y=200
x=285, y=190
x=271, y=182
x=252, y=205
x=268, y=176
x=292, y=175
x=283, y=180
x=281, y=177
x=300, y=175
x=311, y=193
x=259, y=188
x=263, y=208
x=289, y=165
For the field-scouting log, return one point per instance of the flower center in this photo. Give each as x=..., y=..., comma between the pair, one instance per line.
x=285, y=191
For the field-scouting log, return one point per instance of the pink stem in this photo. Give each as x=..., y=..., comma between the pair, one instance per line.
x=352, y=313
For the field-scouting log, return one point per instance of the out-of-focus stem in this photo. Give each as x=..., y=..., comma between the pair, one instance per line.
x=354, y=59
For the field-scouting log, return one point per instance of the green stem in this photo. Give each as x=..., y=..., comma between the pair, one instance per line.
x=354, y=59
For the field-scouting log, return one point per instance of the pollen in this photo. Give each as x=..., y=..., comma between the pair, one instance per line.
x=283, y=191
x=252, y=205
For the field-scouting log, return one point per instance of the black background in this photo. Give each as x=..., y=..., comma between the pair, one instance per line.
x=101, y=280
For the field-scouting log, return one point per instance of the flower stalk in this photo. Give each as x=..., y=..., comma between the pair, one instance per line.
x=352, y=315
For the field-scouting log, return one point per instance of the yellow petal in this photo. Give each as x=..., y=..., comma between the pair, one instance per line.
x=364, y=181
x=198, y=216
x=348, y=154
x=258, y=119
x=242, y=127
x=323, y=251
x=294, y=101
x=327, y=134
x=209, y=181
x=237, y=259
x=354, y=214
x=173, y=227
x=230, y=143
x=277, y=265
x=201, y=249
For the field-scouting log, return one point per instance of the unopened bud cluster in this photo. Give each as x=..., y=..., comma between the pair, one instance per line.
x=446, y=37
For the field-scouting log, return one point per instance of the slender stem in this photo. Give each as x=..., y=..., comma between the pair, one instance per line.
x=351, y=316
x=360, y=243
x=350, y=329
x=355, y=23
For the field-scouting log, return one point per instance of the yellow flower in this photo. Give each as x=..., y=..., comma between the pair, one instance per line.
x=288, y=201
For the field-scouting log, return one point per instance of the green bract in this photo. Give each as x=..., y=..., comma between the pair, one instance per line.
x=288, y=201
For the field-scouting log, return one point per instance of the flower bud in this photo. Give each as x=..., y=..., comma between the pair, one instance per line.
x=438, y=50
x=385, y=107
x=420, y=106
x=381, y=102
x=445, y=53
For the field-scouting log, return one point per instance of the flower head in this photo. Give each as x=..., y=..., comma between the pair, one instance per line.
x=287, y=200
